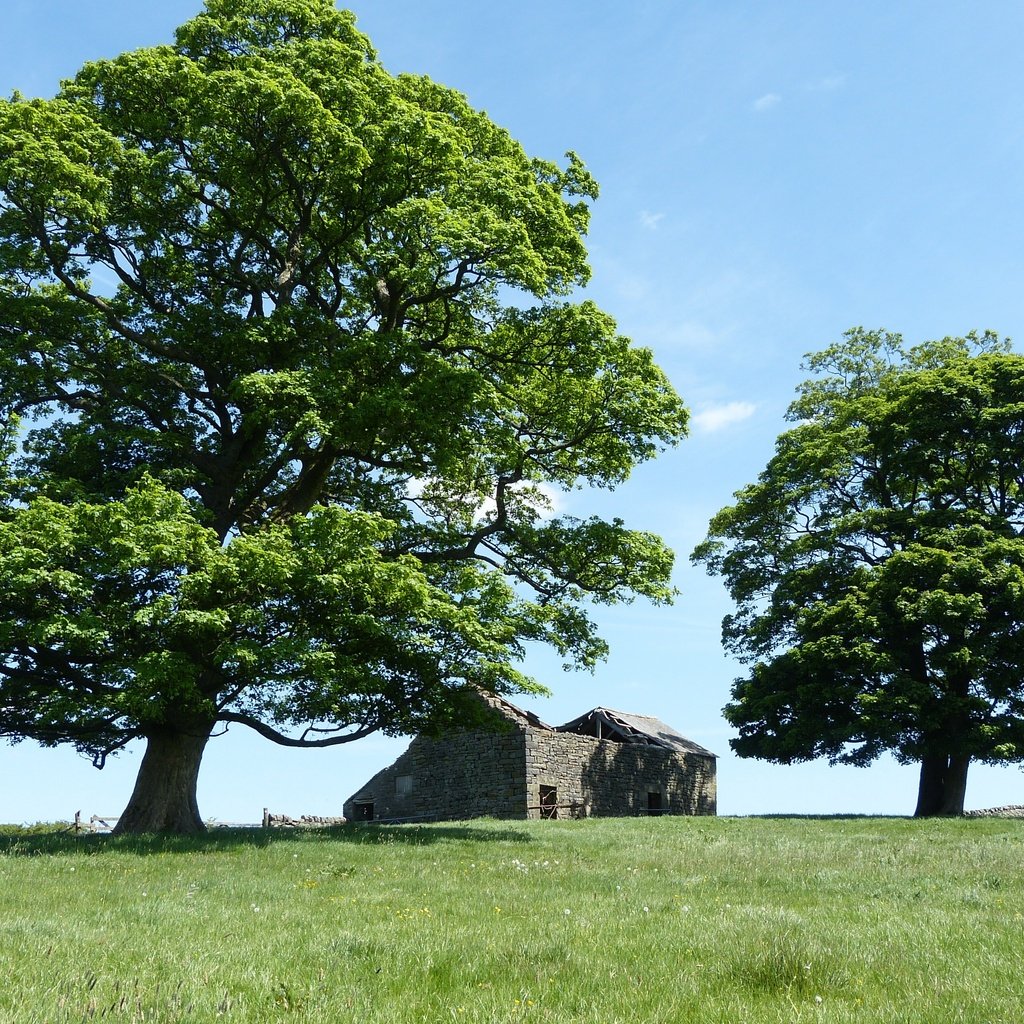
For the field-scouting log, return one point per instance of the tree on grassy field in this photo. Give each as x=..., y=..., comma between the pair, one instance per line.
x=291, y=379
x=877, y=565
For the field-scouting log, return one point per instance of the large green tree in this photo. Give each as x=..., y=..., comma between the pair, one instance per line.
x=290, y=373
x=877, y=565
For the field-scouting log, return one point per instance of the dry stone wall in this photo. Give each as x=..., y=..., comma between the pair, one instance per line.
x=1007, y=811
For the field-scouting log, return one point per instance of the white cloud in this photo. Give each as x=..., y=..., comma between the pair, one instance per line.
x=651, y=220
x=718, y=417
x=548, y=501
x=767, y=101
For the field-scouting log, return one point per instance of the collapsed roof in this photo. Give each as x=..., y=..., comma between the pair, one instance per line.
x=623, y=727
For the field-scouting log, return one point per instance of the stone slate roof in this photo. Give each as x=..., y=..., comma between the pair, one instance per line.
x=629, y=728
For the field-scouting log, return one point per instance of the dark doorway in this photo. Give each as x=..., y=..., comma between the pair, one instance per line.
x=654, y=804
x=548, y=802
x=364, y=812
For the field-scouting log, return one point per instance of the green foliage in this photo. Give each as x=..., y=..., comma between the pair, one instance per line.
x=878, y=566
x=669, y=919
x=289, y=344
x=135, y=601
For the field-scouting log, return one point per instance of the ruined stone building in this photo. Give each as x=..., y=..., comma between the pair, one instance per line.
x=604, y=763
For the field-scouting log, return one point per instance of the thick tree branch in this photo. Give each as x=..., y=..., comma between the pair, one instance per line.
x=282, y=739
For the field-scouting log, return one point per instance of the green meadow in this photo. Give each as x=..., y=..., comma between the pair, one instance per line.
x=603, y=921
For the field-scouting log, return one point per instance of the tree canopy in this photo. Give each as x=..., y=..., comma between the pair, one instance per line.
x=289, y=371
x=877, y=565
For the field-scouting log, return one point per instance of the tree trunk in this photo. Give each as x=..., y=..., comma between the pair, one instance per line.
x=930, y=786
x=956, y=785
x=164, y=799
x=943, y=785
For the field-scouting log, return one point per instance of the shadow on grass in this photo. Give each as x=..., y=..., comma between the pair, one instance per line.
x=35, y=843
x=822, y=817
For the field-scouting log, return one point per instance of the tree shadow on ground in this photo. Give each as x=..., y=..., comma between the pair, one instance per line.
x=64, y=841
x=818, y=817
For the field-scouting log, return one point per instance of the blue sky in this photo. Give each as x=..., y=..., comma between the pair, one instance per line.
x=771, y=175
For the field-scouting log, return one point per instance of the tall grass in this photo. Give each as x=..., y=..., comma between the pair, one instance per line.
x=662, y=919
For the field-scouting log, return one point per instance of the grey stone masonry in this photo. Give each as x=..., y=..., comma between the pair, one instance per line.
x=523, y=768
x=608, y=778
x=463, y=775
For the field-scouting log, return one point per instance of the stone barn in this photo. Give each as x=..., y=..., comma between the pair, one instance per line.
x=604, y=763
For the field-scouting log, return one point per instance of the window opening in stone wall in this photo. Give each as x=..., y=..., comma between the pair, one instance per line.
x=548, y=802
x=364, y=812
x=403, y=785
x=654, y=804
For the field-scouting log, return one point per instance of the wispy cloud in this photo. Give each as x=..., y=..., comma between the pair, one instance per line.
x=767, y=101
x=651, y=220
x=718, y=417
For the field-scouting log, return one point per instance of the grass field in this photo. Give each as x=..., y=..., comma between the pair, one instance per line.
x=663, y=919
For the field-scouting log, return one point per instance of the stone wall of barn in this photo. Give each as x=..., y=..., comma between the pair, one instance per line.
x=603, y=777
x=522, y=772
x=463, y=775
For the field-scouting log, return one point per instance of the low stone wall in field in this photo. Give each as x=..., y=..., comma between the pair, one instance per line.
x=1009, y=811
x=303, y=821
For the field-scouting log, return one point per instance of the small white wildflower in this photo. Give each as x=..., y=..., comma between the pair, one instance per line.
x=255, y=909
x=686, y=909
x=817, y=999
x=145, y=894
x=567, y=911
x=71, y=869
x=647, y=910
